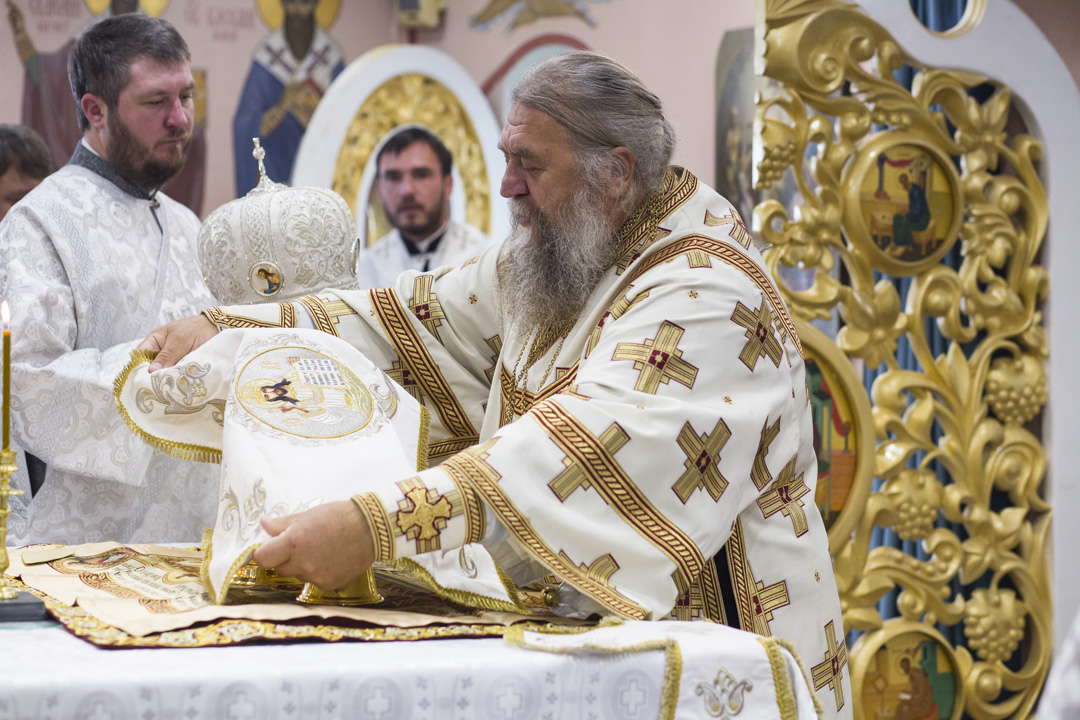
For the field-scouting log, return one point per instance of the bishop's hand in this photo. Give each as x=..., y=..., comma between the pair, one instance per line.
x=176, y=339
x=328, y=545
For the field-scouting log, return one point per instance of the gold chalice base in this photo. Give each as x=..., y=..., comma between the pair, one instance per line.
x=360, y=591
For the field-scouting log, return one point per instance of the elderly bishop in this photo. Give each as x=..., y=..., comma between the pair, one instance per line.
x=618, y=392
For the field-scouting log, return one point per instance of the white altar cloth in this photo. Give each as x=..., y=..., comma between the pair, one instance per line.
x=47, y=673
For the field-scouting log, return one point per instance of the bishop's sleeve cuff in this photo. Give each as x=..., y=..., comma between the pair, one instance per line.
x=428, y=512
x=265, y=315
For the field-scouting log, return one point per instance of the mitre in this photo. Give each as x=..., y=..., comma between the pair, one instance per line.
x=278, y=243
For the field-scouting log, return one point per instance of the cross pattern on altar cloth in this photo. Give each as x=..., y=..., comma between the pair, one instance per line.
x=632, y=697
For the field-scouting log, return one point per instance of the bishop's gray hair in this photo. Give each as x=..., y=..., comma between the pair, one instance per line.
x=603, y=106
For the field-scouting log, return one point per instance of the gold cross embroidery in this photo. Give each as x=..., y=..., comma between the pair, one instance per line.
x=738, y=231
x=658, y=359
x=764, y=600
x=403, y=377
x=698, y=259
x=600, y=570
x=785, y=497
x=759, y=334
x=690, y=604
x=759, y=472
x=574, y=475
x=702, y=461
x=426, y=306
x=614, y=313
x=423, y=514
x=830, y=670
x=495, y=343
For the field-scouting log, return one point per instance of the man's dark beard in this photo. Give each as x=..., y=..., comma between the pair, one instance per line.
x=430, y=221
x=550, y=268
x=132, y=158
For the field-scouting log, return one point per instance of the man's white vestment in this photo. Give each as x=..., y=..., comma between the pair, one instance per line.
x=654, y=461
x=91, y=263
x=379, y=265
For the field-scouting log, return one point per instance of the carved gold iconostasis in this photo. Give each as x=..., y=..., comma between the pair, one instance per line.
x=919, y=215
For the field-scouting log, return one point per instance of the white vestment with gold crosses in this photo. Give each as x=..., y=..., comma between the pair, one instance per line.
x=670, y=426
x=90, y=265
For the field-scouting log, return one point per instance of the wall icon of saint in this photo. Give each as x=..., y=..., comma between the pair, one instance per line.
x=291, y=68
x=901, y=207
x=49, y=108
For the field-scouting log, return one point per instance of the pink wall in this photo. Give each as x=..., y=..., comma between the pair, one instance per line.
x=671, y=44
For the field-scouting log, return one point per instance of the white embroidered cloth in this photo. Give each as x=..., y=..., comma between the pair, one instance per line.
x=296, y=419
x=445, y=680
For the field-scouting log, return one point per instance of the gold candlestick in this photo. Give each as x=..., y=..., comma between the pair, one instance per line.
x=7, y=467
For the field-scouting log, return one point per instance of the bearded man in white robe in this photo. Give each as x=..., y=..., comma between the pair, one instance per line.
x=92, y=259
x=618, y=396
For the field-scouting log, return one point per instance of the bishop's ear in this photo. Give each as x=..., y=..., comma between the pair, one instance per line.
x=622, y=168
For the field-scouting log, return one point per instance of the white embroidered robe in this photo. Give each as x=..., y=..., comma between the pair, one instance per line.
x=88, y=273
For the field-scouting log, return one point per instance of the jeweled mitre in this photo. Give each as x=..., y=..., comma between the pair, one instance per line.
x=278, y=243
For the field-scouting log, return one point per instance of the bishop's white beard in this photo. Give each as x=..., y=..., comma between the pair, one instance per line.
x=549, y=268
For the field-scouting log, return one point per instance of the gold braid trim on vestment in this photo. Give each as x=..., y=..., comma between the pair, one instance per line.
x=472, y=505
x=775, y=641
x=516, y=398
x=640, y=231
x=382, y=533
x=207, y=548
x=448, y=448
x=709, y=585
x=316, y=308
x=286, y=318
x=614, y=485
x=407, y=343
x=785, y=695
x=183, y=451
x=672, y=655
x=422, y=448
x=410, y=567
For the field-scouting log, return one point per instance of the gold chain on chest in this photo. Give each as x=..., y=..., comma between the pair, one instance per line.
x=518, y=401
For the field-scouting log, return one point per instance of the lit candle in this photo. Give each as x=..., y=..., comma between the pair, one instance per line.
x=5, y=314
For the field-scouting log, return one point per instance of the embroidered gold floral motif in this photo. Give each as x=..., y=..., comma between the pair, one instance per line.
x=189, y=385
x=724, y=698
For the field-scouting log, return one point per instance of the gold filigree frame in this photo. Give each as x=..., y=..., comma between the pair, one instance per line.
x=954, y=534
x=861, y=233
x=822, y=349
